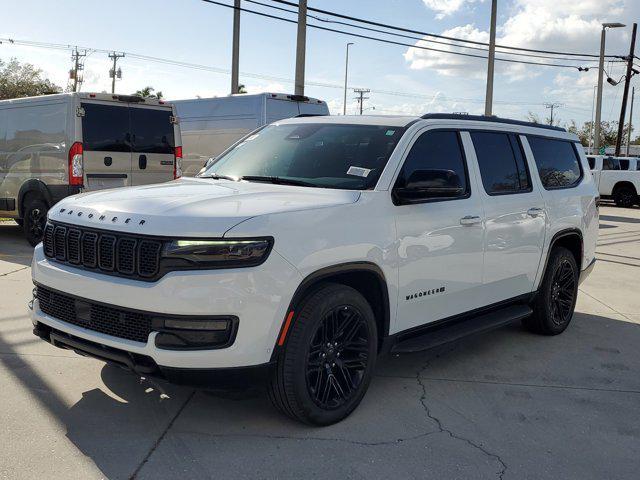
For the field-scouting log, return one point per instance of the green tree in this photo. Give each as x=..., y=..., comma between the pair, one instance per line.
x=147, y=92
x=23, y=80
x=608, y=133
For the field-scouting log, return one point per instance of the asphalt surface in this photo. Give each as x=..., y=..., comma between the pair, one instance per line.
x=507, y=404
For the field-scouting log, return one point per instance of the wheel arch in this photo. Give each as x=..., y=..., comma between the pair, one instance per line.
x=621, y=184
x=33, y=185
x=572, y=240
x=358, y=275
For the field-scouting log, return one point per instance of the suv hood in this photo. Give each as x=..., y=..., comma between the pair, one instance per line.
x=190, y=207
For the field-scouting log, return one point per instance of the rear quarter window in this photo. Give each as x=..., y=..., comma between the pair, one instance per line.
x=557, y=161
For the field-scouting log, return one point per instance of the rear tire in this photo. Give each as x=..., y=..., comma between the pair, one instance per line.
x=34, y=218
x=327, y=362
x=556, y=299
x=625, y=196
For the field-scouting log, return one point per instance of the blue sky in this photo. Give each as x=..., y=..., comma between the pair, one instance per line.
x=196, y=32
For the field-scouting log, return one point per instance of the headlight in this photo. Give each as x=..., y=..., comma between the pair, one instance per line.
x=221, y=253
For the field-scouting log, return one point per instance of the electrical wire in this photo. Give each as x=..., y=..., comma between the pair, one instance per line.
x=402, y=29
x=392, y=42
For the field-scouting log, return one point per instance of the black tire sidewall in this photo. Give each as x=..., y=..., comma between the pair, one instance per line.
x=624, y=201
x=30, y=205
x=544, y=304
x=313, y=309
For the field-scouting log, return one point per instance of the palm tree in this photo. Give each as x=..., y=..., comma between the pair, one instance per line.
x=147, y=92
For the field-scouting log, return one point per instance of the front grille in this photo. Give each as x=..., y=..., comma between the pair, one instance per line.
x=117, y=322
x=109, y=252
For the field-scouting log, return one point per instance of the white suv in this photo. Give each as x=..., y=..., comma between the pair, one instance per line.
x=314, y=245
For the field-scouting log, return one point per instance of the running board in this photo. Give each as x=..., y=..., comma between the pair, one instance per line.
x=443, y=334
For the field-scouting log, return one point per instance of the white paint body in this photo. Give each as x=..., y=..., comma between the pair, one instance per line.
x=606, y=180
x=417, y=247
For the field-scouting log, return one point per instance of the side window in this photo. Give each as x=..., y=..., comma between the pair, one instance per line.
x=557, y=161
x=592, y=163
x=436, y=159
x=624, y=163
x=610, y=164
x=502, y=165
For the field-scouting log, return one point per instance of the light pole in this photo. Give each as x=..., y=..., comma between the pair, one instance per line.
x=346, y=71
x=488, y=101
x=603, y=36
x=593, y=107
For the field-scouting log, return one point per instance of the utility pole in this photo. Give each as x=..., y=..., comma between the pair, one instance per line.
x=603, y=37
x=78, y=66
x=593, y=107
x=488, y=106
x=346, y=70
x=361, y=98
x=625, y=96
x=552, y=106
x=235, y=53
x=633, y=94
x=113, y=73
x=301, y=47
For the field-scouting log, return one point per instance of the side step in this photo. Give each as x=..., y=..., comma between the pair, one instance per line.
x=442, y=334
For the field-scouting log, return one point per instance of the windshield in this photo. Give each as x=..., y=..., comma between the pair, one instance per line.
x=318, y=155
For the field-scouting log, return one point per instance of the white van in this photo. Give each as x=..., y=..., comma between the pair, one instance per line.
x=210, y=125
x=57, y=145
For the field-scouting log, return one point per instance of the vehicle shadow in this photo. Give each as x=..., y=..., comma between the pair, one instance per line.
x=121, y=424
x=14, y=248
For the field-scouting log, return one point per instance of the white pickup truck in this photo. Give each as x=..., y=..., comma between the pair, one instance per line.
x=617, y=178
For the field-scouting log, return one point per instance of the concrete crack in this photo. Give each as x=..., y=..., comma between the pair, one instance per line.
x=443, y=429
x=13, y=271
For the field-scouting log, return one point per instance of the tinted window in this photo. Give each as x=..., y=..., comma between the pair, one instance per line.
x=105, y=128
x=152, y=130
x=557, y=161
x=437, y=155
x=320, y=154
x=502, y=164
x=592, y=162
x=624, y=164
x=610, y=164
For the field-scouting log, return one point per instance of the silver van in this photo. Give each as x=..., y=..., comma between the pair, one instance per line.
x=58, y=145
x=211, y=125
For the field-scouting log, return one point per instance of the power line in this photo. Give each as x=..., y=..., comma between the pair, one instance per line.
x=421, y=39
x=433, y=35
x=393, y=42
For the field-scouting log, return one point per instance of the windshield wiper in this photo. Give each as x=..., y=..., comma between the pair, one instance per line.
x=215, y=176
x=277, y=180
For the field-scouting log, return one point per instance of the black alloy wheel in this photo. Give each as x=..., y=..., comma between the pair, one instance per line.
x=563, y=291
x=338, y=357
x=35, y=219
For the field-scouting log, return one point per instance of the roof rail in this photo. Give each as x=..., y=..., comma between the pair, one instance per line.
x=485, y=118
x=301, y=115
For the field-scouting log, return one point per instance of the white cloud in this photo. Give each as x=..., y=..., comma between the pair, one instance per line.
x=446, y=7
x=540, y=24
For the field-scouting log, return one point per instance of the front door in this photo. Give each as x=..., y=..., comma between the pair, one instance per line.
x=440, y=241
x=514, y=215
x=153, y=144
x=106, y=144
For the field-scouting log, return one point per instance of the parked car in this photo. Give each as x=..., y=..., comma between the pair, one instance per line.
x=617, y=178
x=211, y=125
x=318, y=244
x=58, y=145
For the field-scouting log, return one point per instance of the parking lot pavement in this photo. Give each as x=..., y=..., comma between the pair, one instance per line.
x=507, y=404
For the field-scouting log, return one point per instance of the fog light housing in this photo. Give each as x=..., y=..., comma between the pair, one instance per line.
x=196, y=333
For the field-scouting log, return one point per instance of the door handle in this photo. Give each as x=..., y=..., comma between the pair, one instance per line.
x=535, y=211
x=142, y=162
x=470, y=220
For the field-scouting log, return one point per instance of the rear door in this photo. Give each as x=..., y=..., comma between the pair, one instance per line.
x=153, y=144
x=514, y=215
x=107, y=145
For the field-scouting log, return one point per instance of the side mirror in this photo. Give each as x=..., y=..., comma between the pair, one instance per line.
x=429, y=184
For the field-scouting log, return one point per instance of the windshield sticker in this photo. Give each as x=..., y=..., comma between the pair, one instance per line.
x=389, y=133
x=358, y=171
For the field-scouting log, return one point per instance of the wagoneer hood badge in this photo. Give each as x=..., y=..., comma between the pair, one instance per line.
x=190, y=207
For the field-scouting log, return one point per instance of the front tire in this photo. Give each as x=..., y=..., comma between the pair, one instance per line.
x=329, y=356
x=555, y=301
x=34, y=219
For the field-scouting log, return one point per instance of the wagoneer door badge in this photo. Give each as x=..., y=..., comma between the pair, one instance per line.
x=424, y=293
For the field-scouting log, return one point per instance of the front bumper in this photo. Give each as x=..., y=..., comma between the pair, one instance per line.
x=257, y=296
x=253, y=378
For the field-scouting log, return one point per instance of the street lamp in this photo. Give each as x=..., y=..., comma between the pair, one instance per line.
x=346, y=70
x=596, y=133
